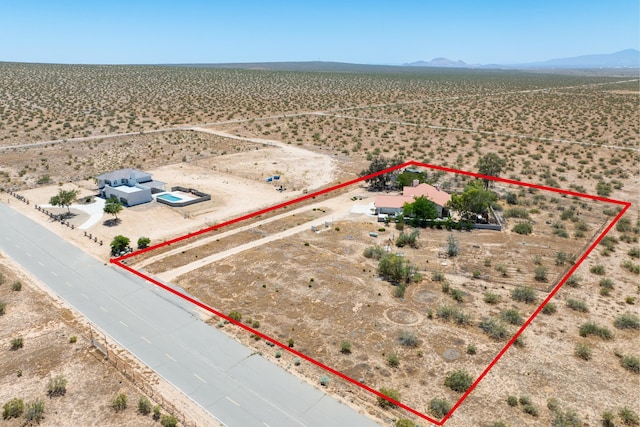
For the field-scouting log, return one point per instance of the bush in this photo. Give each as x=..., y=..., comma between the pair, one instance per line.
x=627, y=321
x=491, y=298
x=512, y=401
x=143, y=242
x=524, y=228
x=403, y=422
x=471, y=349
x=521, y=213
x=408, y=239
x=393, y=360
x=549, y=308
x=17, y=343
x=168, y=421
x=374, y=252
x=597, y=269
x=457, y=295
x=458, y=380
x=144, y=406
x=573, y=281
x=629, y=417
x=591, y=328
x=34, y=411
x=16, y=286
x=391, y=393
x=3, y=307
x=568, y=418
x=57, y=386
x=13, y=408
x=495, y=329
x=631, y=363
x=452, y=314
x=634, y=252
x=577, y=305
x=345, y=347
x=156, y=413
x=119, y=403
x=119, y=244
x=439, y=407
x=235, y=315
x=530, y=409
x=540, y=273
x=500, y=268
x=562, y=258
x=583, y=351
x=73, y=339
x=324, y=381
x=452, y=246
x=512, y=316
x=408, y=339
x=633, y=268
x=437, y=276
x=524, y=294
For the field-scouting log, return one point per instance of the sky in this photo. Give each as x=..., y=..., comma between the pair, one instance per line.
x=365, y=32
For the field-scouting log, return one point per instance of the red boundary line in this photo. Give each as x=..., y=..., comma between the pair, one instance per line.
x=626, y=206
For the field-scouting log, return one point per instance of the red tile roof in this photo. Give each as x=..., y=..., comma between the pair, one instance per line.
x=439, y=197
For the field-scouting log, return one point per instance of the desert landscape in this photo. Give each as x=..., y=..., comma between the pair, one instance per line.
x=318, y=290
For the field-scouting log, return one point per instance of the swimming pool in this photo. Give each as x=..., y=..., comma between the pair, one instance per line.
x=169, y=197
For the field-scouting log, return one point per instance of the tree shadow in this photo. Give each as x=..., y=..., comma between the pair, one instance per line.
x=111, y=222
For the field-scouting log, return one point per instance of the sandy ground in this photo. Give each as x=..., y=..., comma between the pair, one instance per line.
x=236, y=182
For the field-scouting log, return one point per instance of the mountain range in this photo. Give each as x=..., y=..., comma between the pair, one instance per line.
x=628, y=58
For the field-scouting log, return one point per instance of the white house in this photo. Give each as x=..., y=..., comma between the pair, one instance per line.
x=130, y=186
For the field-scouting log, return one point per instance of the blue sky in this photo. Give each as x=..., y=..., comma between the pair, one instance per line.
x=374, y=32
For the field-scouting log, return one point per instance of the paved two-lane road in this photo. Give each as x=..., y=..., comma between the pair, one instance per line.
x=237, y=387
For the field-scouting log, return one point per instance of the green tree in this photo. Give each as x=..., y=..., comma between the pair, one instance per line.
x=113, y=206
x=119, y=244
x=474, y=200
x=405, y=179
x=395, y=269
x=64, y=198
x=143, y=242
x=490, y=164
x=391, y=393
x=380, y=163
x=421, y=208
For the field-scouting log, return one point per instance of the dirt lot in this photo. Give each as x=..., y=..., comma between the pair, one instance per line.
x=47, y=329
x=329, y=293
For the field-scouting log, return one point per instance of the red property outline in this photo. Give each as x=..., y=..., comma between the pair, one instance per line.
x=625, y=207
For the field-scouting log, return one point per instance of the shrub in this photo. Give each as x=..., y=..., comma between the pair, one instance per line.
x=629, y=417
x=437, y=276
x=494, y=329
x=168, y=421
x=403, y=422
x=452, y=314
x=583, y=351
x=345, y=347
x=633, y=268
x=597, y=269
x=143, y=242
x=235, y=315
x=393, y=360
x=549, y=308
x=524, y=294
x=500, y=268
x=73, y=339
x=291, y=343
x=374, y=252
x=16, y=286
x=540, y=273
x=57, y=386
x=577, y=305
x=512, y=401
x=439, y=407
x=523, y=228
x=457, y=295
x=452, y=246
x=34, y=411
x=408, y=339
x=498, y=424
x=391, y=393
x=631, y=363
x=471, y=349
x=530, y=409
x=521, y=213
x=568, y=418
x=144, y=406
x=561, y=258
x=458, y=380
x=156, y=413
x=491, y=298
x=410, y=239
x=591, y=328
x=627, y=321
x=512, y=316
x=13, y=408
x=634, y=252
x=119, y=244
x=3, y=307
x=119, y=403
x=17, y=343
x=324, y=381
x=573, y=281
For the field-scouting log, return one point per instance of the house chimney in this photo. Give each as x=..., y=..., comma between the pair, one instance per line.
x=438, y=187
x=415, y=183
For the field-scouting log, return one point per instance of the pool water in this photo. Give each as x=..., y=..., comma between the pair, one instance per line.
x=169, y=197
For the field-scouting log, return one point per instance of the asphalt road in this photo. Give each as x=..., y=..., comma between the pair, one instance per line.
x=237, y=387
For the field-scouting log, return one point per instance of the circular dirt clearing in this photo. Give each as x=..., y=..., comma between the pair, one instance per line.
x=402, y=316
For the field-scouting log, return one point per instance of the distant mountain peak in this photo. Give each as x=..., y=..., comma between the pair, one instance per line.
x=438, y=62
